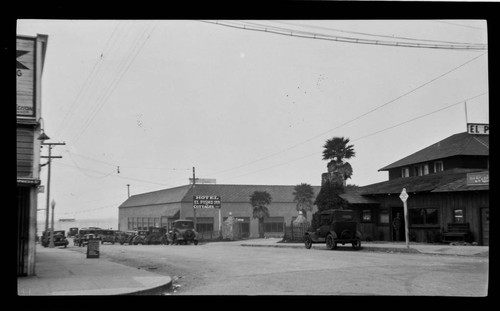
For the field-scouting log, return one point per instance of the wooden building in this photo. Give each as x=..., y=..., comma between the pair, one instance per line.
x=447, y=183
x=159, y=208
x=29, y=65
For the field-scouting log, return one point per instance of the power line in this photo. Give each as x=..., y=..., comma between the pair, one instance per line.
x=298, y=34
x=356, y=118
x=364, y=33
x=87, y=81
x=359, y=138
x=105, y=97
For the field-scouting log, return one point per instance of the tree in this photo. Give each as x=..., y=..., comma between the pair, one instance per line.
x=260, y=200
x=328, y=197
x=304, y=194
x=337, y=150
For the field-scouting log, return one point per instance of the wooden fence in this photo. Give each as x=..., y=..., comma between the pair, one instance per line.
x=295, y=232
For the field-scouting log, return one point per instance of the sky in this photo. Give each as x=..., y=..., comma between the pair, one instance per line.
x=142, y=102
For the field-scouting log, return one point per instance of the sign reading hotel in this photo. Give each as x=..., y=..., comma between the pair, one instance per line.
x=206, y=201
x=478, y=179
x=25, y=76
x=478, y=129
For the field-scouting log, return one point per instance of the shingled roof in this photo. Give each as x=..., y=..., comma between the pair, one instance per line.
x=458, y=144
x=449, y=180
x=228, y=194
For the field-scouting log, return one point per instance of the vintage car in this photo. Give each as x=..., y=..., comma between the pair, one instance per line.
x=335, y=226
x=72, y=232
x=84, y=240
x=156, y=236
x=140, y=237
x=106, y=236
x=183, y=232
x=80, y=237
x=125, y=237
x=59, y=238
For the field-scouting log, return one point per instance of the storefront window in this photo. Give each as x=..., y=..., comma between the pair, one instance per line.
x=274, y=224
x=384, y=216
x=458, y=216
x=423, y=216
x=367, y=215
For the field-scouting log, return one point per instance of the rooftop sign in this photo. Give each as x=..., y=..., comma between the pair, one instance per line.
x=206, y=201
x=478, y=128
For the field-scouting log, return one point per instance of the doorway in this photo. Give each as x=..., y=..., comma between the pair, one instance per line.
x=485, y=226
x=397, y=223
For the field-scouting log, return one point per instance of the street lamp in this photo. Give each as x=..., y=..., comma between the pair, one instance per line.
x=51, y=244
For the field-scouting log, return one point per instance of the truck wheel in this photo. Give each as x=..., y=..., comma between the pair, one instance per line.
x=308, y=242
x=356, y=244
x=330, y=242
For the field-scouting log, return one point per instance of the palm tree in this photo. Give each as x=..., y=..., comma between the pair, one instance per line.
x=260, y=200
x=304, y=194
x=337, y=150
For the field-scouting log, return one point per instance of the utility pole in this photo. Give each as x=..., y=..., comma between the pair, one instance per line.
x=51, y=243
x=128, y=190
x=194, y=194
x=50, y=157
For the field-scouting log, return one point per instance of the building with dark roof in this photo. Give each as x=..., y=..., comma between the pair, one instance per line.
x=160, y=208
x=447, y=183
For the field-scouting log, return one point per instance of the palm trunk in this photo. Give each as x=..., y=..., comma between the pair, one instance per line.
x=261, y=227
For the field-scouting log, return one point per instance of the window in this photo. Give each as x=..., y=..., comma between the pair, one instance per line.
x=438, y=166
x=366, y=215
x=424, y=216
x=421, y=170
x=130, y=224
x=274, y=224
x=405, y=172
x=384, y=216
x=204, y=224
x=458, y=216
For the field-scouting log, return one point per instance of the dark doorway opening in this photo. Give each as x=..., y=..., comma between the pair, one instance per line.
x=397, y=223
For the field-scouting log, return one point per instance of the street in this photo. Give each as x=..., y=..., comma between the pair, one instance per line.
x=227, y=268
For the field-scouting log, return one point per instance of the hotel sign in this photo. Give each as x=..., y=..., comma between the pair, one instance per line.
x=478, y=179
x=478, y=129
x=206, y=201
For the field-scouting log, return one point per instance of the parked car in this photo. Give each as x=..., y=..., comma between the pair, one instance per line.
x=183, y=232
x=106, y=236
x=80, y=237
x=140, y=237
x=72, y=232
x=59, y=238
x=123, y=237
x=336, y=226
x=156, y=236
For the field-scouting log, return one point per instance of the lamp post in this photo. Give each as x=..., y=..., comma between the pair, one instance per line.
x=51, y=244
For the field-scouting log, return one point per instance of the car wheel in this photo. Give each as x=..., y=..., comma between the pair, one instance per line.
x=175, y=241
x=308, y=242
x=330, y=242
x=356, y=244
x=195, y=242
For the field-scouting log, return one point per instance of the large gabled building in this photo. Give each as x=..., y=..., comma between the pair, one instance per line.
x=447, y=183
x=160, y=208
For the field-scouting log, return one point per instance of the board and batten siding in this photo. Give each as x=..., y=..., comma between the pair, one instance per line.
x=25, y=137
x=25, y=76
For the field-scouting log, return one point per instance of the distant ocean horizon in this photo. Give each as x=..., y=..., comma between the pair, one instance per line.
x=104, y=223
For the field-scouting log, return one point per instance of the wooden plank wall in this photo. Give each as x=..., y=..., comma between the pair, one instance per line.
x=24, y=140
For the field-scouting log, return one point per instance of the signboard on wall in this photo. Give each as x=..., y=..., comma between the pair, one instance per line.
x=478, y=179
x=478, y=128
x=206, y=201
x=25, y=76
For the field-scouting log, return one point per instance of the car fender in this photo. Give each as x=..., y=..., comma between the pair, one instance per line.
x=333, y=234
x=359, y=235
